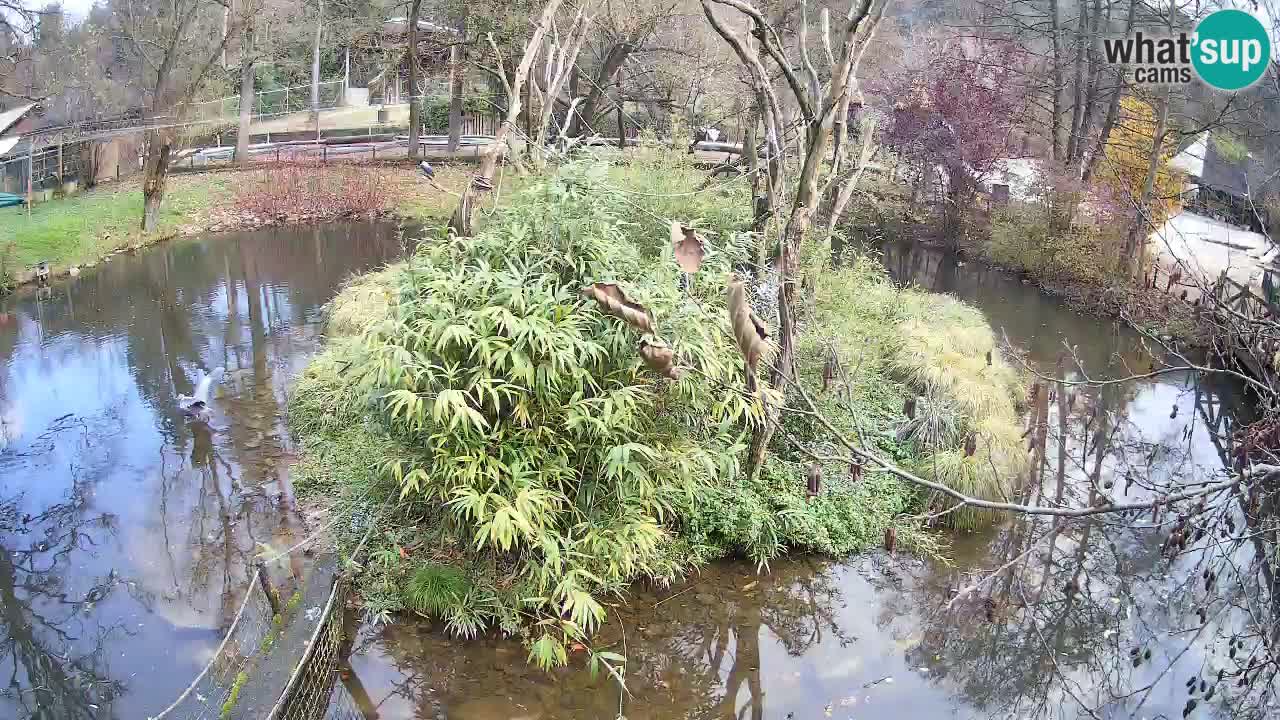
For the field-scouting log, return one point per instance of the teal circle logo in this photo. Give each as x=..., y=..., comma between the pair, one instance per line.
x=1232, y=50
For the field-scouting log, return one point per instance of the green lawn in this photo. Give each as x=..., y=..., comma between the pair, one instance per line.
x=86, y=226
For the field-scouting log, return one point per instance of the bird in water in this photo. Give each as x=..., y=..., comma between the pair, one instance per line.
x=427, y=170
x=196, y=405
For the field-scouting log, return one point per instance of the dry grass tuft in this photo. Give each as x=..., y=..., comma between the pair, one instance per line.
x=938, y=346
x=363, y=301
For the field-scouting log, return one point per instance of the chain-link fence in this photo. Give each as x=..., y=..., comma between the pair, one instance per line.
x=44, y=168
x=270, y=102
x=314, y=690
x=283, y=655
x=215, y=693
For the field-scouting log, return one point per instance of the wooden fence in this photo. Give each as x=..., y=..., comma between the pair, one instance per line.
x=1252, y=322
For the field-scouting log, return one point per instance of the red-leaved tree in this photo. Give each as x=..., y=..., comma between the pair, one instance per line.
x=959, y=116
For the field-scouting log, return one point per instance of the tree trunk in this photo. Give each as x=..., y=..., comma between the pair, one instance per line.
x=246, y=103
x=749, y=150
x=315, y=64
x=457, y=73
x=613, y=61
x=958, y=193
x=155, y=172
x=415, y=102
x=622, y=130
x=1091, y=90
x=1135, y=245
x=1113, y=109
x=1077, y=101
x=1055, y=120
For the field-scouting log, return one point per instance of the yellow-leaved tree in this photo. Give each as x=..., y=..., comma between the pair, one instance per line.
x=1123, y=172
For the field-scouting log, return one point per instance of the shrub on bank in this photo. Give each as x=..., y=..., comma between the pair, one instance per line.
x=1088, y=253
x=307, y=190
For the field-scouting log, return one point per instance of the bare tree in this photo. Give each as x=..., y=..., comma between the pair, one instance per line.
x=559, y=61
x=817, y=96
x=16, y=22
x=462, y=222
x=624, y=30
x=179, y=47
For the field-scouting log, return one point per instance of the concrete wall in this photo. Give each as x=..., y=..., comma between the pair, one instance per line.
x=356, y=97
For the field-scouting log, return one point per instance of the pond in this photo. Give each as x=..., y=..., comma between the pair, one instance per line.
x=126, y=529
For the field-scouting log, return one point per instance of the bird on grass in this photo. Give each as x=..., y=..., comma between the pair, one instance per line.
x=196, y=405
x=427, y=170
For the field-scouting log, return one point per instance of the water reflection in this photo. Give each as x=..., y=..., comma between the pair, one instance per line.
x=1033, y=619
x=126, y=529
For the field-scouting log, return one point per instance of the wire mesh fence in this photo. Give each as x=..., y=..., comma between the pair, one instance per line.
x=216, y=692
x=314, y=684
x=282, y=657
x=43, y=168
x=271, y=102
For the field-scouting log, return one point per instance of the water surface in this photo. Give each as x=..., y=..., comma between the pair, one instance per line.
x=126, y=529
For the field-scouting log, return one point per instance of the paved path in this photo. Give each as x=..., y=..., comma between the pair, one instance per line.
x=1205, y=247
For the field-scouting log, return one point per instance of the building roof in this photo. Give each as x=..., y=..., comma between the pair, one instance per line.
x=9, y=118
x=1203, y=161
x=1220, y=173
x=1191, y=159
x=400, y=24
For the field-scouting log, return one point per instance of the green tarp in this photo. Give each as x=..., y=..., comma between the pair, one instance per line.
x=8, y=200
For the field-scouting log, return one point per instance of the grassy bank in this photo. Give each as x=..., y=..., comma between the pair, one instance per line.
x=82, y=228
x=903, y=344
x=526, y=457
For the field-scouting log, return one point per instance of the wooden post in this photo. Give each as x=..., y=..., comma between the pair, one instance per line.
x=61, y=182
x=622, y=133
x=265, y=581
x=31, y=165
